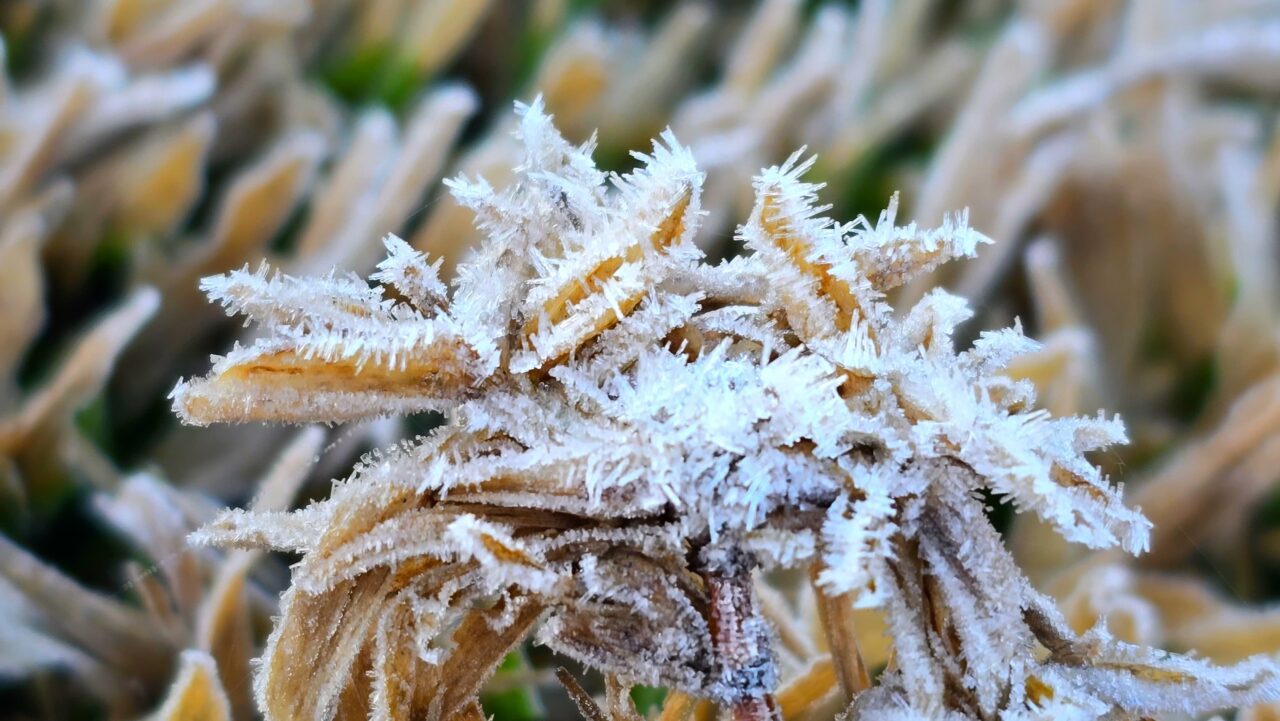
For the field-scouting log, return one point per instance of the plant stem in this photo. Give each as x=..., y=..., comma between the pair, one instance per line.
x=836, y=614
x=740, y=636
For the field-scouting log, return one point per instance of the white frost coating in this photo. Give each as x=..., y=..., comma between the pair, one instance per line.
x=619, y=411
x=406, y=270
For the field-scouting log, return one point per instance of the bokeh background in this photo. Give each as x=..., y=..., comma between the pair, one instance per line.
x=1122, y=154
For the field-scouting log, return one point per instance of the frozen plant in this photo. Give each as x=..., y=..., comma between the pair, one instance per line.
x=633, y=432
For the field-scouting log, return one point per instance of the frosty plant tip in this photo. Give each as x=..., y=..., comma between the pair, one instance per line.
x=634, y=432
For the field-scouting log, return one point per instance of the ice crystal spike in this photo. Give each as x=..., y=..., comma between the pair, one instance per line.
x=634, y=432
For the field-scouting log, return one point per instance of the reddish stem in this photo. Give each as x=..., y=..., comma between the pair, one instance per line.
x=740, y=637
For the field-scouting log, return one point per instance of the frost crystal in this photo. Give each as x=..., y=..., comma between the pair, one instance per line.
x=632, y=432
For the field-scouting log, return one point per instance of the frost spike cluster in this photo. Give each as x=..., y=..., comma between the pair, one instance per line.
x=626, y=421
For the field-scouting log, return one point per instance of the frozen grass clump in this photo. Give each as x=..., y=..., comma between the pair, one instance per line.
x=633, y=432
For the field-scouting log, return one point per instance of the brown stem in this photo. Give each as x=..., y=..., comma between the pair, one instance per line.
x=740, y=637
x=762, y=708
x=836, y=616
x=587, y=706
